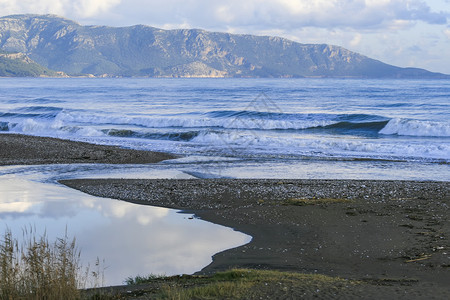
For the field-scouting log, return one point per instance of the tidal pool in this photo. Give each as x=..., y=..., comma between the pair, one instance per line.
x=131, y=239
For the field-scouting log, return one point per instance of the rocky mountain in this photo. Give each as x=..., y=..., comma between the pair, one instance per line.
x=20, y=65
x=64, y=45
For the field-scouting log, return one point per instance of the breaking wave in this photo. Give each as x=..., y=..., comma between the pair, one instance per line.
x=276, y=132
x=416, y=128
x=326, y=147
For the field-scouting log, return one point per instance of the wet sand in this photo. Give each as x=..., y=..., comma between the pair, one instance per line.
x=393, y=236
x=16, y=149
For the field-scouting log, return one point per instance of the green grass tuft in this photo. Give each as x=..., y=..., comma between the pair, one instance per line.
x=216, y=290
x=243, y=283
x=143, y=279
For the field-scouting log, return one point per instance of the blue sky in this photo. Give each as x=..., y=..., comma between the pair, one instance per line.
x=405, y=33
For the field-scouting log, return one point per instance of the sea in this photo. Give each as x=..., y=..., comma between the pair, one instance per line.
x=249, y=128
x=217, y=128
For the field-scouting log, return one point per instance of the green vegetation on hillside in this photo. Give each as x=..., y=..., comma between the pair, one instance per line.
x=19, y=68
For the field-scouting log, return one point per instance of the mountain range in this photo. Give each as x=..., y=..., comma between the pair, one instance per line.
x=65, y=46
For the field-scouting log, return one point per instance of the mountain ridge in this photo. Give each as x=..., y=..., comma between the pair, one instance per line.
x=139, y=50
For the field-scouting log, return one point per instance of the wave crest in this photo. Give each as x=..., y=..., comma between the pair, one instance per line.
x=408, y=127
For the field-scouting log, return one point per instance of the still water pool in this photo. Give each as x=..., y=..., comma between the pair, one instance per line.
x=131, y=239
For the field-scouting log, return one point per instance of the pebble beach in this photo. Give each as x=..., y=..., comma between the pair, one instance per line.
x=391, y=235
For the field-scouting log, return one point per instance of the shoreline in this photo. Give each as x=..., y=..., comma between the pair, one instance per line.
x=368, y=230
x=18, y=149
x=391, y=235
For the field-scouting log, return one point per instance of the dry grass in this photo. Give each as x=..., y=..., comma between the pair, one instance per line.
x=38, y=269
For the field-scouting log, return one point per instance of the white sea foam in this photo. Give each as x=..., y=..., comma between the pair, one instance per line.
x=191, y=121
x=87, y=126
x=324, y=124
x=331, y=146
x=199, y=159
x=416, y=128
x=52, y=128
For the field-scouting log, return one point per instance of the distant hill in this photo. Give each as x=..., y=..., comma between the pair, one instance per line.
x=20, y=65
x=64, y=45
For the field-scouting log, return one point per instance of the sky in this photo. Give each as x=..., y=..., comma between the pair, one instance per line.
x=405, y=33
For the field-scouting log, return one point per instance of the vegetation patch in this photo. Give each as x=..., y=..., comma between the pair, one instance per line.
x=215, y=290
x=233, y=284
x=39, y=269
x=314, y=201
x=248, y=283
x=139, y=279
x=10, y=67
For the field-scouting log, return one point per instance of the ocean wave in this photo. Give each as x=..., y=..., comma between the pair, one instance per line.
x=376, y=126
x=246, y=120
x=326, y=147
x=267, y=115
x=407, y=127
x=58, y=128
x=30, y=113
x=40, y=100
x=275, y=133
x=45, y=128
x=172, y=136
x=4, y=126
x=199, y=159
x=39, y=109
x=18, y=115
x=399, y=104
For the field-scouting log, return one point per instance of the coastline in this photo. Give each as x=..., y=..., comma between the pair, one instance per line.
x=391, y=235
x=17, y=149
x=337, y=213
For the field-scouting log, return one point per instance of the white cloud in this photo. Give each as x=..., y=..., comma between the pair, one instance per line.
x=67, y=8
x=90, y=8
x=283, y=13
x=356, y=40
x=447, y=33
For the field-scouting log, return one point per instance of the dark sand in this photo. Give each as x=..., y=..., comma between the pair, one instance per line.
x=393, y=236
x=18, y=149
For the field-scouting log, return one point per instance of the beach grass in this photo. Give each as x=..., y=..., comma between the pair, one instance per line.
x=36, y=268
x=242, y=283
x=236, y=284
x=139, y=279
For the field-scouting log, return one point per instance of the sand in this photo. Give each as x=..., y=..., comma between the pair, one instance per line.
x=393, y=236
x=18, y=149
x=386, y=233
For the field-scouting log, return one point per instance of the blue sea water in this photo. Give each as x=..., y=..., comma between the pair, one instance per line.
x=295, y=128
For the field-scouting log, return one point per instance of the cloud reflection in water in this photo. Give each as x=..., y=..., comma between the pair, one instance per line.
x=132, y=239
